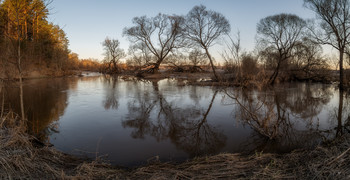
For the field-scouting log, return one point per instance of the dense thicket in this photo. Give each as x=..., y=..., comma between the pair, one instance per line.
x=28, y=41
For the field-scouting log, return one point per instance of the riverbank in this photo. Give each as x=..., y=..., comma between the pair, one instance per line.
x=184, y=78
x=21, y=156
x=260, y=80
x=39, y=73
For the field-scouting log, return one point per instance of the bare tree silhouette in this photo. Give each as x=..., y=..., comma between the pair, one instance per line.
x=333, y=30
x=161, y=35
x=113, y=54
x=204, y=27
x=280, y=34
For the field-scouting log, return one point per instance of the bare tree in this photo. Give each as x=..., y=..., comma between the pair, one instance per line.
x=197, y=57
x=161, y=35
x=334, y=62
x=279, y=34
x=308, y=60
x=113, y=53
x=334, y=20
x=233, y=51
x=140, y=55
x=177, y=61
x=203, y=27
x=232, y=55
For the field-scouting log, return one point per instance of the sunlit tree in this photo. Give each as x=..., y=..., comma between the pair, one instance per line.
x=113, y=53
x=27, y=39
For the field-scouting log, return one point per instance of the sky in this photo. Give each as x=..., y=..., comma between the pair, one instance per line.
x=88, y=22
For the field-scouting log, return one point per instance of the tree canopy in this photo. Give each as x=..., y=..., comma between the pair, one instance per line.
x=280, y=34
x=203, y=27
x=41, y=42
x=160, y=34
x=333, y=29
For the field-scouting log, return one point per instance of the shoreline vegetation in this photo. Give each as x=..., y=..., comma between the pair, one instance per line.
x=204, y=78
x=288, y=49
x=23, y=157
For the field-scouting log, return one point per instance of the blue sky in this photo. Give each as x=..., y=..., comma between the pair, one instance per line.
x=88, y=22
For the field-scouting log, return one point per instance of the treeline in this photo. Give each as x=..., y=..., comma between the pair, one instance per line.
x=288, y=47
x=75, y=63
x=30, y=43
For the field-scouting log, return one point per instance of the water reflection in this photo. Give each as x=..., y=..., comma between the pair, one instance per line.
x=151, y=113
x=111, y=95
x=119, y=116
x=44, y=103
x=340, y=115
x=283, y=118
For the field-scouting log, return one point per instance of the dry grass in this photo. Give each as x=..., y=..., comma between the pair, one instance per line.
x=321, y=163
x=20, y=159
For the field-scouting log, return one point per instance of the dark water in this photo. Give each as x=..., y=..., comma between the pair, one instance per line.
x=134, y=121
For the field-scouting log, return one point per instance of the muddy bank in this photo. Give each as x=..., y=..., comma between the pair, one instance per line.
x=23, y=157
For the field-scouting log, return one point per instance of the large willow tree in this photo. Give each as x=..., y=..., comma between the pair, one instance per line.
x=203, y=27
x=280, y=34
x=161, y=35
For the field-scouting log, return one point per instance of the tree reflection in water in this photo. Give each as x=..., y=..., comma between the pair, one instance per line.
x=44, y=102
x=111, y=95
x=340, y=116
x=190, y=117
x=151, y=113
x=281, y=117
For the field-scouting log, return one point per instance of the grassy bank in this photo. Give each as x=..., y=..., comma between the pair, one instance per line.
x=21, y=157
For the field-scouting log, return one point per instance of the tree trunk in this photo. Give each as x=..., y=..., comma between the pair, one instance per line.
x=37, y=25
x=33, y=28
x=115, y=67
x=341, y=70
x=8, y=23
x=157, y=65
x=21, y=97
x=20, y=71
x=25, y=30
x=3, y=102
x=212, y=64
x=275, y=74
x=20, y=78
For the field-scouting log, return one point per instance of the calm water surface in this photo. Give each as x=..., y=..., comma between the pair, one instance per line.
x=135, y=121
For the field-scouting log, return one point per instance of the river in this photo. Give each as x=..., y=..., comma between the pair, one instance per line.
x=131, y=122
